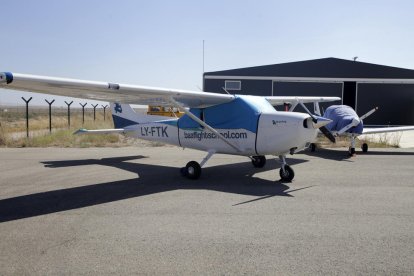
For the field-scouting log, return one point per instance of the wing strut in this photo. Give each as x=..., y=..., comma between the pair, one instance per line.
x=368, y=113
x=196, y=119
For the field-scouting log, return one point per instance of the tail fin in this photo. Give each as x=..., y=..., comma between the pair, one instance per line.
x=124, y=115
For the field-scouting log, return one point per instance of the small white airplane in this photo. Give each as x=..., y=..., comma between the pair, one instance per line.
x=215, y=123
x=347, y=123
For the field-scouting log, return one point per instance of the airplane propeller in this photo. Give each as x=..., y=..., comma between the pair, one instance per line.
x=328, y=134
x=320, y=122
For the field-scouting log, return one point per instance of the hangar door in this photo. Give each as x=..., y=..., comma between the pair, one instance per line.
x=395, y=102
x=308, y=89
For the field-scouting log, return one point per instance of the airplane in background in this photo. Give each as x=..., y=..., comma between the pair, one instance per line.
x=347, y=123
x=215, y=123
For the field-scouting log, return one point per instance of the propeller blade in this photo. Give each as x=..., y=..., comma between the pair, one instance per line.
x=328, y=134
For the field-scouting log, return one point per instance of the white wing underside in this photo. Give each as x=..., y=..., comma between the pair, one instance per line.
x=113, y=92
x=280, y=100
x=128, y=94
x=386, y=129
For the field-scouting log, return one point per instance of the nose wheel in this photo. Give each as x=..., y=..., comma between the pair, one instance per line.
x=286, y=172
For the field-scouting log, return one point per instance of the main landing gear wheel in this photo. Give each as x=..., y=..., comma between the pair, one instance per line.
x=258, y=161
x=351, y=151
x=287, y=174
x=364, y=147
x=192, y=170
x=312, y=147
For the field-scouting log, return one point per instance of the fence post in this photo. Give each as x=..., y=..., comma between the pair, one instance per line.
x=94, y=111
x=50, y=114
x=68, y=104
x=27, y=115
x=104, y=108
x=83, y=112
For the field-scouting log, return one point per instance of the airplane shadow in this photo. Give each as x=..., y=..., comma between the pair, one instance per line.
x=230, y=178
x=342, y=155
x=395, y=152
x=330, y=154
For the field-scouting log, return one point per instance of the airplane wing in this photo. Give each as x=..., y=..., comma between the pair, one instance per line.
x=109, y=92
x=386, y=129
x=129, y=94
x=281, y=100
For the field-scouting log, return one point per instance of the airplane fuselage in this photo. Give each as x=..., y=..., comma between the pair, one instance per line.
x=249, y=124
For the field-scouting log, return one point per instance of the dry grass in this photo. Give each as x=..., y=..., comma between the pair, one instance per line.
x=386, y=141
x=390, y=139
x=13, y=129
x=14, y=120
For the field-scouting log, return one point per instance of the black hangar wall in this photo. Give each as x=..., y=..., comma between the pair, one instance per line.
x=247, y=87
x=309, y=89
x=360, y=85
x=395, y=103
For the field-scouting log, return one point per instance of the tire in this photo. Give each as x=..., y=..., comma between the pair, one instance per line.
x=364, y=147
x=288, y=175
x=193, y=170
x=312, y=147
x=351, y=151
x=258, y=161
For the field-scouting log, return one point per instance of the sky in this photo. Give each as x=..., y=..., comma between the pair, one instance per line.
x=160, y=43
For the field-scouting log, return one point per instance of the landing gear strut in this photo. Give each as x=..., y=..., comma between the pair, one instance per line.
x=286, y=172
x=352, y=147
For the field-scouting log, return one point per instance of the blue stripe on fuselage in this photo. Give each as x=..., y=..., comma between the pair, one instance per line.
x=120, y=122
x=241, y=113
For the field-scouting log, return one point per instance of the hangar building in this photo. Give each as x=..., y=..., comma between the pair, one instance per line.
x=361, y=85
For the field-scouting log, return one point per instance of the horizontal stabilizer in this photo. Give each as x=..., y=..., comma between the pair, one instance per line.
x=101, y=131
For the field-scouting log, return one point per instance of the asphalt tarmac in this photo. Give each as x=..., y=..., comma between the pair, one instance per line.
x=128, y=211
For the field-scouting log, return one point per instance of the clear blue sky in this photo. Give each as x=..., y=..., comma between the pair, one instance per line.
x=159, y=43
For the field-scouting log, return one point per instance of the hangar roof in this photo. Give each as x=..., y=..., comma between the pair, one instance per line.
x=321, y=68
